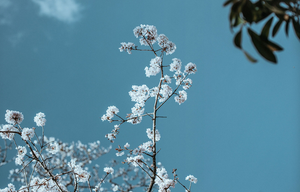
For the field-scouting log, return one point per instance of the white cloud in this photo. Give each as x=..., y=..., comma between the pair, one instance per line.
x=64, y=10
x=5, y=17
x=5, y=3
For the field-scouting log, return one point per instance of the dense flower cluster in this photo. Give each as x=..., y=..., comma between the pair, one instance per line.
x=39, y=119
x=191, y=178
x=13, y=117
x=150, y=134
x=52, y=165
x=27, y=133
x=108, y=170
x=82, y=175
x=6, y=129
x=127, y=47
x=163, y=181
x=154, y=68
x=21, y=153
x=110, y=112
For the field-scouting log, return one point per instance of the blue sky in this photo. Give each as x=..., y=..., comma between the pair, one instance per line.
x=238, y=129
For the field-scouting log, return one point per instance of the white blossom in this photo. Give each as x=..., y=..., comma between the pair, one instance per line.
x=119, y=154
x=166, y=79
x=171, y=47
x=163, y=181
x=110, y=112
x=191, y=178
x=175, y=66
x=165, y=92
x=7, y=135
x=10, y=188
x=187, y=83
x=150, y=134
x=108, y=170
x=154, y=68
x=190, y=68
x=53, y=147
x=115, y=188
x=39, y=119
x=13, y=117
x=27, y=133
x=82, y=174
x=127, y=145
x=182, y=97
x=21, y=153
x=136, y=160
x=147, y=34
x=139, y=94
x=127, y=47
x=153, y=92
x=162, y=40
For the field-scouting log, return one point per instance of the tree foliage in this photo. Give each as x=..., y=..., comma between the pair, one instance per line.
x=244, y=13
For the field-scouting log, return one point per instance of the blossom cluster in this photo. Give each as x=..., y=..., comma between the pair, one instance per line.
x=39, y=119
x=82, y=175
x=52, y=165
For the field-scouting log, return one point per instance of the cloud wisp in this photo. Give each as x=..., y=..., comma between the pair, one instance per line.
x=67, y=11
x=5, y=17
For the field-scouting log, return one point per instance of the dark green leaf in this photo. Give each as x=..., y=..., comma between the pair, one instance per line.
x=247, y=11
x=238, y=39
x=296, y=26
x=261, y=47
x=287, y=27
x=234, y=14
x=273, y=46
x=260, y=12
x=237, y=21
x=266, y=29
x=276, y=27
x=228, y=2
x=249, y=57
x=275, y=9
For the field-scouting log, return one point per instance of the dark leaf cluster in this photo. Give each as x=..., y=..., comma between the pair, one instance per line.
x=244, y=13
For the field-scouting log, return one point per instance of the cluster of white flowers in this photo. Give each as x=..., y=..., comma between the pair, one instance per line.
x=165, y=92
x=10, y=188
x=41, y=185
x=139, y=94
x=190, y=68
x=182, y=97
x=187, y=83
x=148, y=34
x=21, y=153
x=127, y=145
x=110, y=112
x=163, y=181
x=108, y=170
x=135, y=160
x=53, y=147
x=154, y=68
x=13, y=117
x=191, y=178
x=7, y=135
x=52, y=156
x=150, y=134
x=115, y=187
x=175, y=66
x=127, y=47
x=167, y=79
x=27, y=133
x=39, y=119
x=83, y=175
